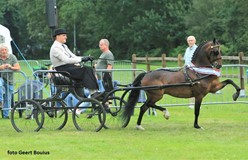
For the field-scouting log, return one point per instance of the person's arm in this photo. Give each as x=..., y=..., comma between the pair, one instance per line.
x=110, y=61
x=3, y=66
x=15, y=67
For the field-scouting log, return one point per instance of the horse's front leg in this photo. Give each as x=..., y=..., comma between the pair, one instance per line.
x=198, y=102
x=229, y=81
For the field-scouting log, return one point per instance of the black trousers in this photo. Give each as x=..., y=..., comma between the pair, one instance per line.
x=84, y=75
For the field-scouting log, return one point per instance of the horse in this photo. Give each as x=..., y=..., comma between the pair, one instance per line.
x=194, y=80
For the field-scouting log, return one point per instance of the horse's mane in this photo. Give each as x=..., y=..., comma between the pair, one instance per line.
x=197, y=49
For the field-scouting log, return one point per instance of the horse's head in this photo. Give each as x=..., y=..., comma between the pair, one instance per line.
x=214, y=54
x=208, y=54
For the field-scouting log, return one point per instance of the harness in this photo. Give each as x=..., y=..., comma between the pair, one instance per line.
x=190, y=80
x=186, y=75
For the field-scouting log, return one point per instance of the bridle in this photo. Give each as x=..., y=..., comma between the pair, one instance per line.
x=214, y=63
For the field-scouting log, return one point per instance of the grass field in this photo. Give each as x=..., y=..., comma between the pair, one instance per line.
x=224, y=137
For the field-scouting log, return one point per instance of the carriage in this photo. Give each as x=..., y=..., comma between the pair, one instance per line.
x=196, y=80
x=33, y=112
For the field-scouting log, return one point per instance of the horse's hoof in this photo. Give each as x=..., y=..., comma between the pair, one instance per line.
x=235, y=96
x=139, y=127
x=197, y=127
x=166, y=114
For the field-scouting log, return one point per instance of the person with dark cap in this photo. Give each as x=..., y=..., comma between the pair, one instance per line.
x=63, y=59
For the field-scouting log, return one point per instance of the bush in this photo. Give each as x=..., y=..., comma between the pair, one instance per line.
x=92, y=52
x=174, y=52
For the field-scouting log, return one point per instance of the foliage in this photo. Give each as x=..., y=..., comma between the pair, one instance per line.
x=219, y=19
x=178, y=50
x=238, y=26
x=139, y=26
x=92, y=52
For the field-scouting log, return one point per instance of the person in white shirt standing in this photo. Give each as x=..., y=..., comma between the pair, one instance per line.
x=190, y=50
x=188, y=57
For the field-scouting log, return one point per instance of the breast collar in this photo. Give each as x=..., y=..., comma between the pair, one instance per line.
x=204, y=70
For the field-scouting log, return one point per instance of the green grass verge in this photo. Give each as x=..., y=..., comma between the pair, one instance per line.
x=225, y=137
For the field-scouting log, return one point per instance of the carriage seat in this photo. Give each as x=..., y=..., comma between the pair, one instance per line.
x=62, y=79
x=63, y=82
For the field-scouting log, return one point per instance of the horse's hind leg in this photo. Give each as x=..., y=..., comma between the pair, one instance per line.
x=164, y=110
x=143, y=109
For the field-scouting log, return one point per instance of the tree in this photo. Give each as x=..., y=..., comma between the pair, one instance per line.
x=238, y=27
x=11, y=17
x=221, y=19
x=130, y=26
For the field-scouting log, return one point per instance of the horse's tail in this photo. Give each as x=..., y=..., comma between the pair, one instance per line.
x=133, y=97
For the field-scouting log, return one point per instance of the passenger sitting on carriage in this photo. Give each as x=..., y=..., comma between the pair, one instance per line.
x=64, y=60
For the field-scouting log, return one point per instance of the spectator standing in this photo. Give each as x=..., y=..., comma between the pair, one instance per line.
x=8, y=64
x=188, y=57
x=105, y=61
x=190, y=50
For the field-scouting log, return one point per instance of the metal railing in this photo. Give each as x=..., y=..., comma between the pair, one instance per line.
x=231, y=71
x=19, y=78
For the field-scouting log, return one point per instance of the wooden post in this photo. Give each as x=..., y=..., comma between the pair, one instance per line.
x=134, y=65
x=179, y=60
x=163, y=60
x=148, y=68
x=241, y=73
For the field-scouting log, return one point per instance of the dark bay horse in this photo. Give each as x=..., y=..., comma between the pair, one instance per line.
x=198, y=79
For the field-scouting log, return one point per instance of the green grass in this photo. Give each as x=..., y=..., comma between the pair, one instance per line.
x=224, y=137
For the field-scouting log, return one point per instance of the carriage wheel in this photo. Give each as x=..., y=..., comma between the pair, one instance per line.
x=56, y=115
x=89, y=114
x=27, y=116
x=116, y=107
